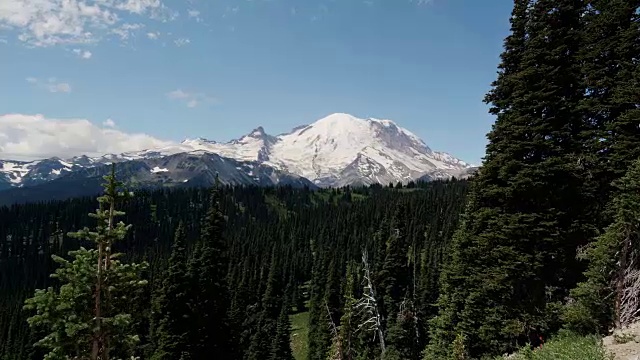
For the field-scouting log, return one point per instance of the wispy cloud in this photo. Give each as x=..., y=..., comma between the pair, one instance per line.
x=194, y=14
x=153, y=35
x=57, y=22
x=182, y=42
x=190, y=99
x=231, y=10
x=421, y=2
x=83, y=54
x=126, y=31
x=51, y=84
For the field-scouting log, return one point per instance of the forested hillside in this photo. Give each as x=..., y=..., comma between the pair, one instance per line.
x=544, y=238
x=287, y=249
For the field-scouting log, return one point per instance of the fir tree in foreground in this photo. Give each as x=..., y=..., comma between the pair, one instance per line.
x=87, y=316
x=609, y=61
x=610, y=295
x=513, y=257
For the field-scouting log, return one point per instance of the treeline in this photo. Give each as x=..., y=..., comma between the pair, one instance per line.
x=549, y=239
x=224, y=269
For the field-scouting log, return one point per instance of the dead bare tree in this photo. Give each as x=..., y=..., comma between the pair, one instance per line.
x=369, y=306
x=628, y=286
x=336, y=342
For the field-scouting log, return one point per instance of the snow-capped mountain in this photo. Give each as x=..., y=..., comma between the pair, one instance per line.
x=337, y=150
x=26, y=173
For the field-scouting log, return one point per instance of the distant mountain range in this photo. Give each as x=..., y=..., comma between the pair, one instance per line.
x=334, y=151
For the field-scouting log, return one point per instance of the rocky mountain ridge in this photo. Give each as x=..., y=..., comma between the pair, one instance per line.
x=337, y=150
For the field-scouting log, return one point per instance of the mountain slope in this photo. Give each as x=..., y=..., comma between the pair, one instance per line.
x=337, y=150
x=179, y=170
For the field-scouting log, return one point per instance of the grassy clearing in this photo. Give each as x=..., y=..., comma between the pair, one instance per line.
x=299, y=335
x=565, y=347
x=278, y=206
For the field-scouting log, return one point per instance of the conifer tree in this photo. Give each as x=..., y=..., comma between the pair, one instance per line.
x=612, y=80
x=512, y=259
x=173, y=335
x=348, y=321
x=319, y=337
x=208, y=274
x=609, y=296
x=263, y=344
x=281, y=346
x=87, y=316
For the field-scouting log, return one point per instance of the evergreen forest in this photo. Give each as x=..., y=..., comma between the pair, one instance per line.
x=543, y=239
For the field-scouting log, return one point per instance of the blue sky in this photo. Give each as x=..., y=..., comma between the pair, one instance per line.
x=219, y=68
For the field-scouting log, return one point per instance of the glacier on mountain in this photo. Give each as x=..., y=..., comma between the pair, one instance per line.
x=337, y=150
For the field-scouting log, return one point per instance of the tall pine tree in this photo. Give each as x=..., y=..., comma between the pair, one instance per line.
x=208, y=277
x=512, y=257
x=612, y=78
x=89, y=315
x=173, y=334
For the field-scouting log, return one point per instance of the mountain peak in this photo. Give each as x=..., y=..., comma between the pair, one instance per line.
x=257, y=133
x=337, y=118
x=198, y=140
x=342, y=119
x=256, y=136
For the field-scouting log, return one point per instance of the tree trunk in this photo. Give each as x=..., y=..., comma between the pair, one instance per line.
x=620, y=282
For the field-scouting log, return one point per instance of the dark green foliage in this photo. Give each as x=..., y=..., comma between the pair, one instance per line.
x=319, y=336
x=612, y=83
x=565, y=105
x=567, y=130
x=263, y=343
x=318, y=225
x=513, y=258
x=173, y=332
x=281, y=346
x=209, y=298
x=88, y=314
x=346, y=343
x=599, y=302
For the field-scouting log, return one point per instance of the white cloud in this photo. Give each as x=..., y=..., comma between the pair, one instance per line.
x=59, y=87
x=139, y=6
x=193, y=13
x=177, y=94
x=83, y=54
x=190, y=99
x=125, y=31
x=153, y=35
x=25, y=137
x=51, y=84
x=109, y=123
x=54, y=22
x=182, y=42
x=3, y=41
x=421, y=2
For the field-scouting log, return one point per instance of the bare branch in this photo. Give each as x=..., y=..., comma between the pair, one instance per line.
x=369, y=305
